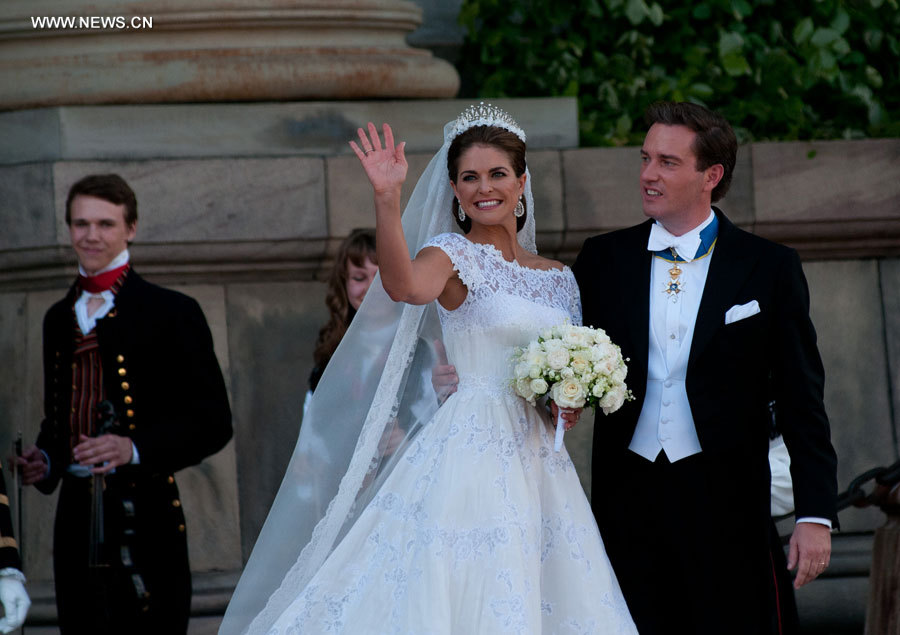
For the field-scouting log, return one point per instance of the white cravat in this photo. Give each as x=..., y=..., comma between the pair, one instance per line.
x=686, y=245
x=87, y=322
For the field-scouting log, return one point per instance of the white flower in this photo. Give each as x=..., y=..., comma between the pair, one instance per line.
x=613, y=400
x=522, y=370
x=535, y=357
x=567, y=373
x=574, y=339
x=568, y=393
x=580, y=362
x=523, y=387
x=558, y=358
x=539, y=386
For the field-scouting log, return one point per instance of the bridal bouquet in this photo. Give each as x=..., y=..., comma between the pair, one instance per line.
x=578, y=365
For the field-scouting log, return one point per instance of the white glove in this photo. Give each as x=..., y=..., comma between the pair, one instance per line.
x=15, y=603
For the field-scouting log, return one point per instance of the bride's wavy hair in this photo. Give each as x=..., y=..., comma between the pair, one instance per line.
x=358, y=247
x=492, y=136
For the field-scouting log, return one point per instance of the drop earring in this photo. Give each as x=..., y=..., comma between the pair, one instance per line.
x=520, y=209
x=460, y=212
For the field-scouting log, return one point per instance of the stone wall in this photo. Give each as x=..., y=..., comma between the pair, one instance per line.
x=242, y=206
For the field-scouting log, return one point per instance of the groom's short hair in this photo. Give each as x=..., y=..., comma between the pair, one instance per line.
x=715, y=141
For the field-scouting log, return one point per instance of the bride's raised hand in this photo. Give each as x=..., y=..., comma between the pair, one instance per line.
x=385, y=166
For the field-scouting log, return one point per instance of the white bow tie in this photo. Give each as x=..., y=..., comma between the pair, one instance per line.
x=685, y=245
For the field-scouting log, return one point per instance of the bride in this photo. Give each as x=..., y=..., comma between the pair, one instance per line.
x=399, y=516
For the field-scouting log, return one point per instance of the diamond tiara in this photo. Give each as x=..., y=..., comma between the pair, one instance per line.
x=484, y=115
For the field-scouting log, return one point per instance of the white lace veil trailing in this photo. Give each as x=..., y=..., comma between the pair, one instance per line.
x=373, y=398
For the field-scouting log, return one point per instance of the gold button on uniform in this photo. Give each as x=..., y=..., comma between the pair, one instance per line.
x=120, y=358
x=128, y=399
x=181, y=528
x=125, y=385
x=176, y=503
x=122, y=372
x=131, y=426
x=171, y=480
x=129, y=413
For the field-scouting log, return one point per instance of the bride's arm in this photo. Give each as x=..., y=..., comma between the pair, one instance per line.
x=414, y=281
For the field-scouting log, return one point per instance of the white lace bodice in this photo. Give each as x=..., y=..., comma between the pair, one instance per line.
x=507, y=305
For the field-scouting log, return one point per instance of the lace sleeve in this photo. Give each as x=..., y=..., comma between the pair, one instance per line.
x=463, y=256
x=574, y=299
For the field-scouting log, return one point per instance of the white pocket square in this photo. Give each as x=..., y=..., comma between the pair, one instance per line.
x=741, y=311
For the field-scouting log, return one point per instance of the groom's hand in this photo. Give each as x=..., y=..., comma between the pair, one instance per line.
x=810, y=551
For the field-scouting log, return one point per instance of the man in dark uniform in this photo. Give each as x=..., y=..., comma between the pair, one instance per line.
x=13, y=596
x=132, y=392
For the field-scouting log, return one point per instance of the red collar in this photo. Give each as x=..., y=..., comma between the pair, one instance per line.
x=102, y=281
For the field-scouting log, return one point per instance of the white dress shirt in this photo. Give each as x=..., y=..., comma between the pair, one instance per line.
x=666, y=423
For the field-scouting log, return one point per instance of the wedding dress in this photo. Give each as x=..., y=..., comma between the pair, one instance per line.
x=480, y=527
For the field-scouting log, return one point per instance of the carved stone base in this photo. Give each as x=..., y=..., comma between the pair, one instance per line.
x=215, y=50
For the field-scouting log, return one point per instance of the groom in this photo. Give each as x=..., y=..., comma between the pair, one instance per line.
x=715, y=323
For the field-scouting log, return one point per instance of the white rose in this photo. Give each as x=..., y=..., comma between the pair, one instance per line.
x=619, y=374
x=534, y=372
x=568, y=393
x=553, y=345
x=613, y=400
x=536, y=358
x=558, y=358
x=567, y=373
x=539, y=386
x=574, y=339
x=580, y=363
x=523, y=387
x=600, y=337
x=522, y=370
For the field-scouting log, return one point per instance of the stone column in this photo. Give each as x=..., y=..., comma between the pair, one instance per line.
x=156, y=51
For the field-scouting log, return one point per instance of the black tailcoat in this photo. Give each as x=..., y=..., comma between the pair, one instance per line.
x=9, y=548
x=161, y=374
x=695, y=535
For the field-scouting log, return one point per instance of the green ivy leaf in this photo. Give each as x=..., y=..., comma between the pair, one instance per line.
x=702, y=90
x=841, y=21
x=803, y=30
x=735, y=64
x=741, y=9
x=623, y=125
x=655, y=14
x=841, y=47
x=873, y=38
x=730, y=42
x=571, y=89
x=824, y=37
x=873, y=77
x=635, y=11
